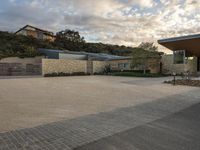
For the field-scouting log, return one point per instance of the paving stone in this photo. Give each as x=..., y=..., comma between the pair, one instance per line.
x=69, y=134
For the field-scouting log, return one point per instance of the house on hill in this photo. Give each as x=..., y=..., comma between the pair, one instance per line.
x=36, y=33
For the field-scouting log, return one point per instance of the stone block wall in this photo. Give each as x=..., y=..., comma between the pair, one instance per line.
x=169, y=67
x=153, y=65
x=50, y=66
x=114, y=64
x=99, y=66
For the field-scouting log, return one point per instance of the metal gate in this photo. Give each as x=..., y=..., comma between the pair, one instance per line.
x=16, y=69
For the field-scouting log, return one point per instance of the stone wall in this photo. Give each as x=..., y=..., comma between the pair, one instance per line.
x=169, y=67
x=114, y=64
x=20, y=66
x=99, y=66
x=153, y=65
x=50, y=66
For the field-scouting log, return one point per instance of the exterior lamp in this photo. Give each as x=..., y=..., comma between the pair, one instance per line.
x=174, y=80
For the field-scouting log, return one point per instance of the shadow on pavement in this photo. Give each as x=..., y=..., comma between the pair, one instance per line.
x=179, y=131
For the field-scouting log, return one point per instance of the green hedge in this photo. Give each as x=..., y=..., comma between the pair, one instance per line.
x=62, y=74
x=136, y=74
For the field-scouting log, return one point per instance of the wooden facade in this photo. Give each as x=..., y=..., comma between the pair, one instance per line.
x=36, y=33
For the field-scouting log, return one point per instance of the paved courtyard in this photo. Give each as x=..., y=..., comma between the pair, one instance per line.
x=98, y=112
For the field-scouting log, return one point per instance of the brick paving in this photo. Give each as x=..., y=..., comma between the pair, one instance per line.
x=70, y=134
x=179, y=131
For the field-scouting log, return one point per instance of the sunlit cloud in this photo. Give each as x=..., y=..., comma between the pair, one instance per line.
x=123, y=22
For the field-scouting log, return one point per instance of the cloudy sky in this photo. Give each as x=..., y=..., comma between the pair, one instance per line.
x=126, y=22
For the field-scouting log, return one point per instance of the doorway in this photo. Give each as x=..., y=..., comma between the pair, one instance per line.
x=198, y=64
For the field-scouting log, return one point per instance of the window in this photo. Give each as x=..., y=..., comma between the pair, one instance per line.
x=179, y=57
x=123, y=66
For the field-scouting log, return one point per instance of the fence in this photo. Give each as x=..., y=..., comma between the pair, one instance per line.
x=19, y=67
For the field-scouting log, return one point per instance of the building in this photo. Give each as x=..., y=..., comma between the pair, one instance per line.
x=115, y=62
x=186, y=54
x=36, y=33
x=70, y=62
x=102, y=60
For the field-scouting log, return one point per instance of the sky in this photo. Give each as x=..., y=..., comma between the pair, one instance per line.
x=122, y=22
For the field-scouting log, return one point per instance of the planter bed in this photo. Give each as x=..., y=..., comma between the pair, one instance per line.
x=195, y=83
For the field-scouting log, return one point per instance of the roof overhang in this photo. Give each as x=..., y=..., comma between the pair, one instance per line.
x=191, y=44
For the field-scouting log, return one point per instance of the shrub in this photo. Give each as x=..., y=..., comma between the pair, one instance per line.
x=62, y=74
x=136, y=74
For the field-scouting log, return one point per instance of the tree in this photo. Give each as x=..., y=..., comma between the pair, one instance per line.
x=70, y=35
x=140, y=58
x=148, y=46
x=69, y=39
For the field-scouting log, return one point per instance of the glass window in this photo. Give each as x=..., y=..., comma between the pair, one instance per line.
x=179, y=57
x=123, y=66
x=126, y=66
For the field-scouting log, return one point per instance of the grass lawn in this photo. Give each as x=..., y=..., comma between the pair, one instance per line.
x=136, y=74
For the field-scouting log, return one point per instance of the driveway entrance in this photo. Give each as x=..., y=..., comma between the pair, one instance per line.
x=70, y=112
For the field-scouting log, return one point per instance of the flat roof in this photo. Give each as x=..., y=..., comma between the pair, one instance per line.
x=95, y=56
x=189, y=43
x=180, y=38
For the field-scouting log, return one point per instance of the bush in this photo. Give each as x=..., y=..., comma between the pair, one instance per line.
x=62, y=74
x=136, y=74
x=195, y=83
x=134, y=71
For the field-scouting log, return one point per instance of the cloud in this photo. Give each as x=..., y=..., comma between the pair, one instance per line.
x=127, y=22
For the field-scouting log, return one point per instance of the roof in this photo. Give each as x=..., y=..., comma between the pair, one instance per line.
x=93, y=56
x=180, y=38
x=38, y=29
x=189, y=43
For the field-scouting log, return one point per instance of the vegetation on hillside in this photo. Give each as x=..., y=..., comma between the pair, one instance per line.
x=24, y=46
x=20, y=46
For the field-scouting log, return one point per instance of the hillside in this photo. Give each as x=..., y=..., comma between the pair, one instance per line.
x=23, y=46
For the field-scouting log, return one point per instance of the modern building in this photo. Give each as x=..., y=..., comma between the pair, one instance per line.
x=115, y=62
x=36, y=33
x=186, y=54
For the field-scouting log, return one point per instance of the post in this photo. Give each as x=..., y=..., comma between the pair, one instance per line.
x=174, y=80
